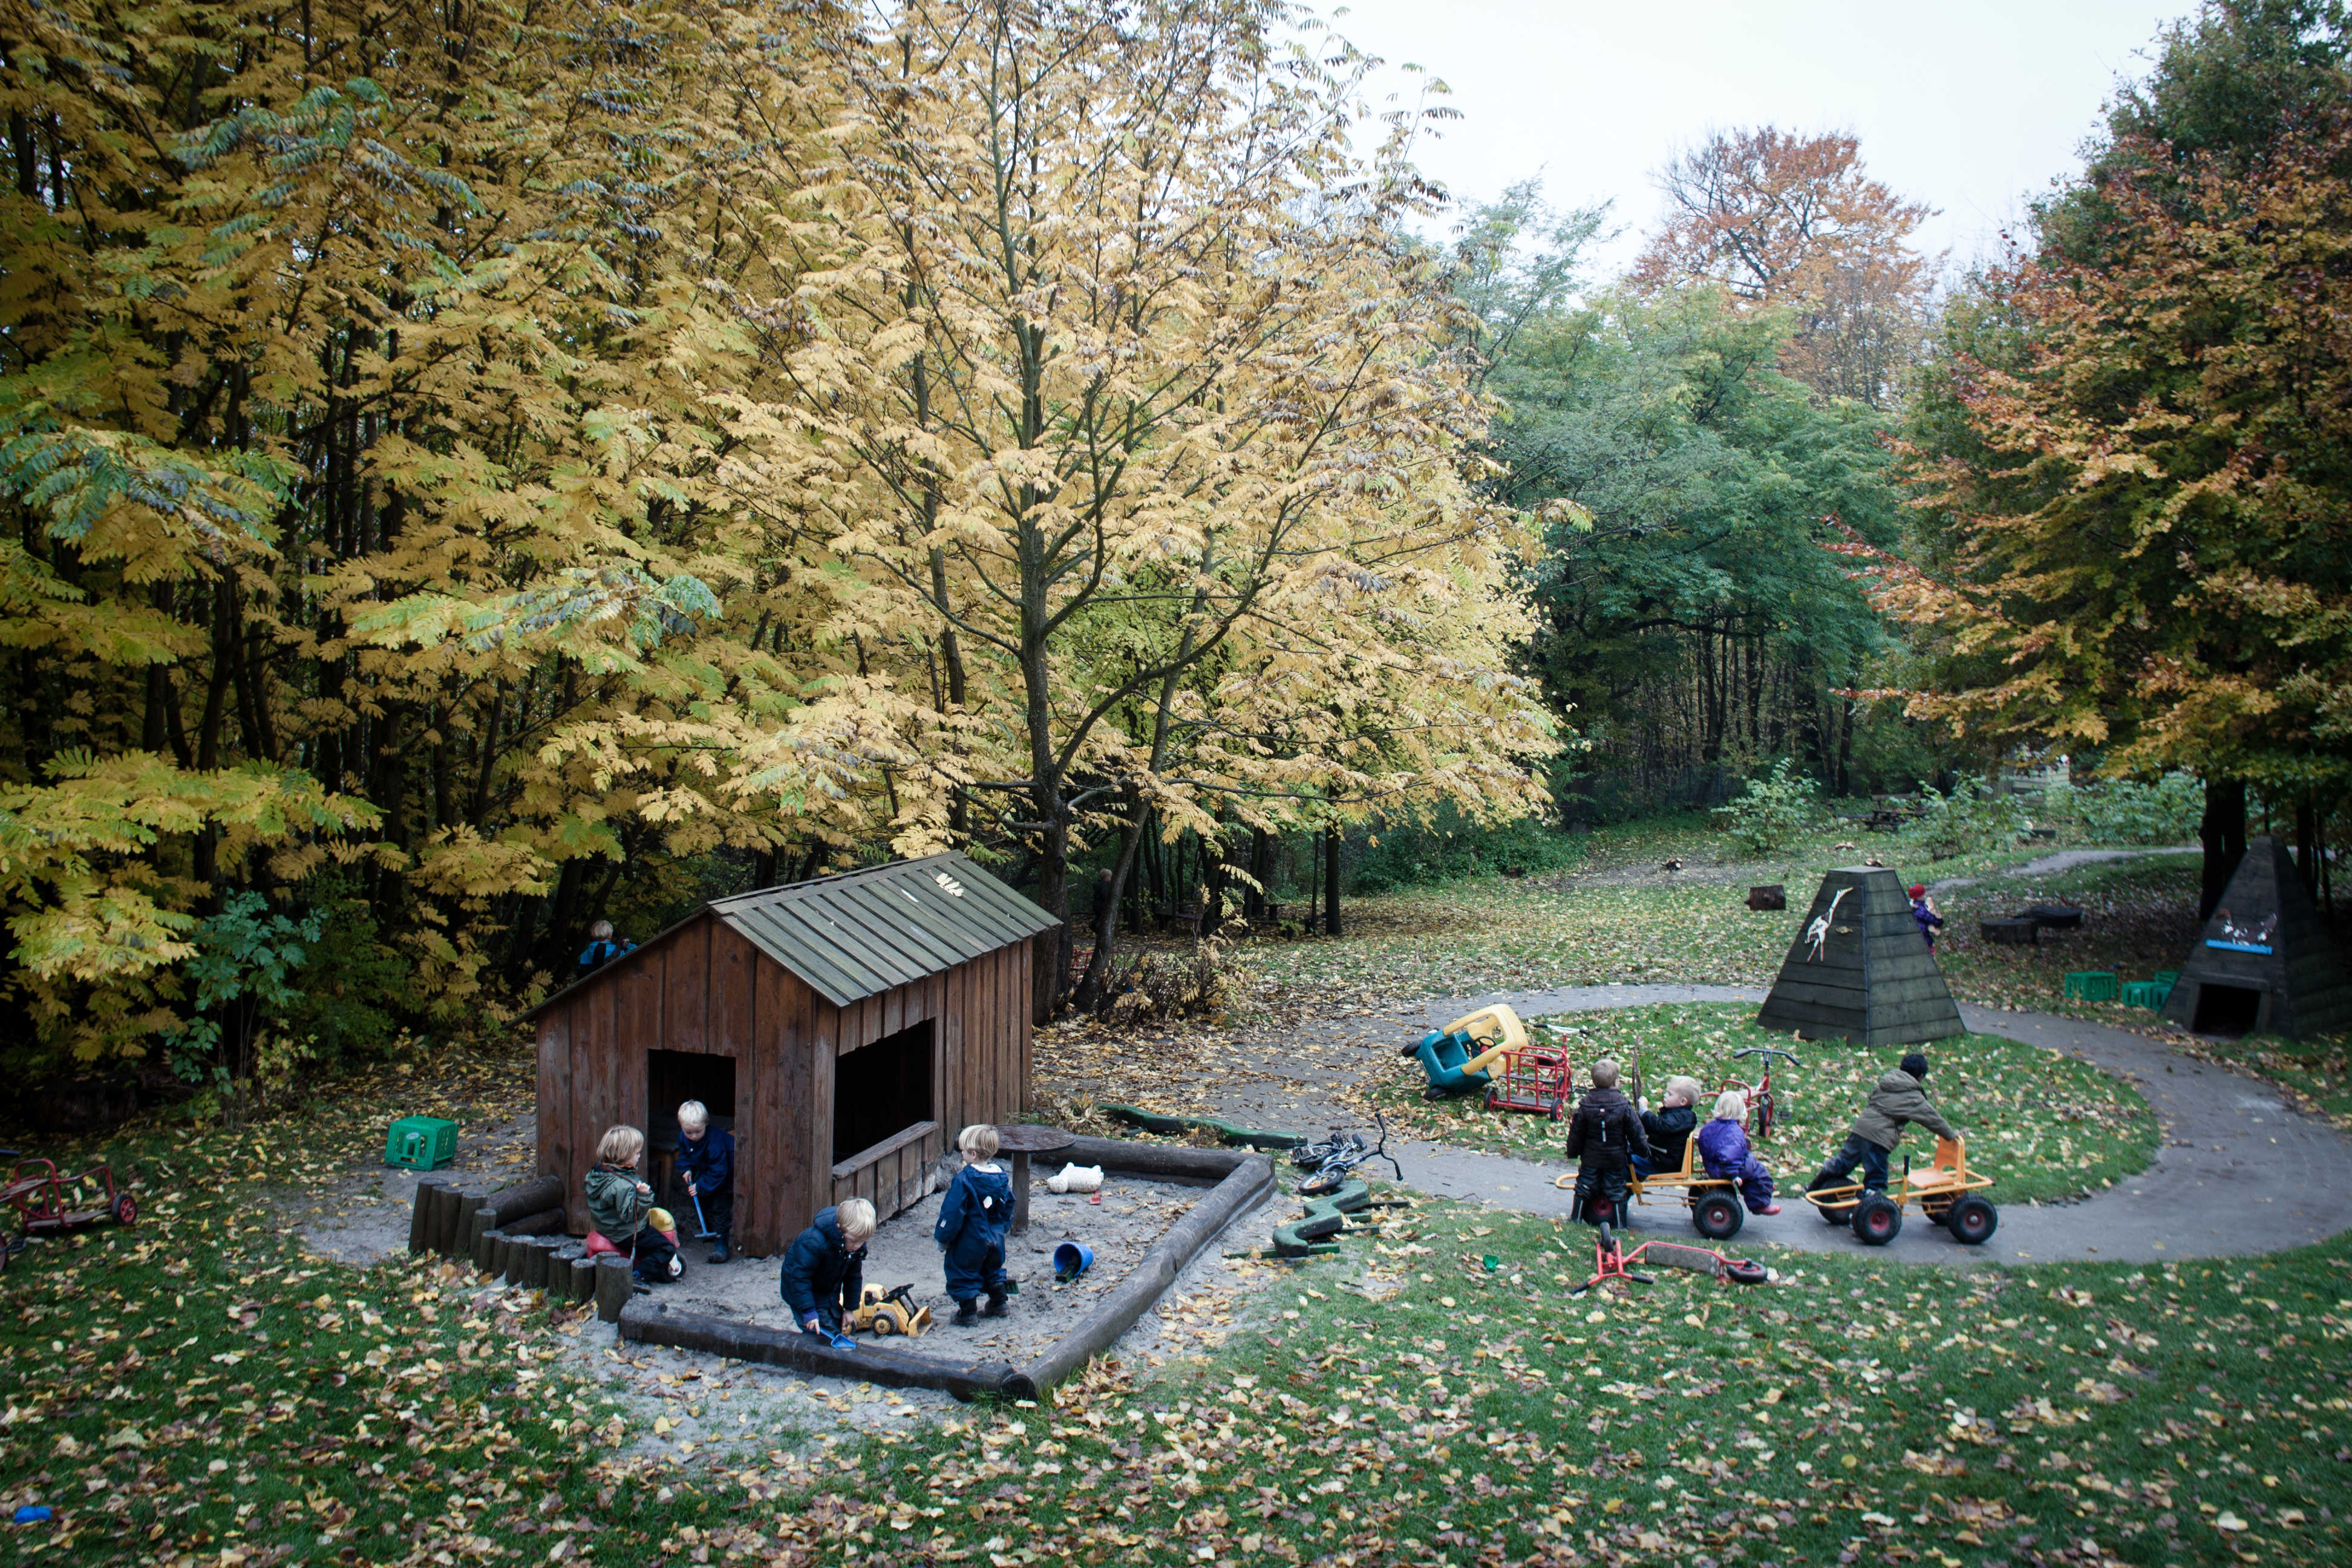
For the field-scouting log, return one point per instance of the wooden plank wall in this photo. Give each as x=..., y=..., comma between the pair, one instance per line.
x=705, y=988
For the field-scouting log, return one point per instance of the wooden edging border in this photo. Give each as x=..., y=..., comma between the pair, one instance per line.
x=1239, y=1183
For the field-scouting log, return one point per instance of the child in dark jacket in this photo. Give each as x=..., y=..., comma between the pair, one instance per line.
x=1923, y=911
x=1723, y=1145
x=1669, y=1127
x=1605, y=1139
x=706, y=1169
x=1900, y=1098
x=973, y=1218
x=824, y=1270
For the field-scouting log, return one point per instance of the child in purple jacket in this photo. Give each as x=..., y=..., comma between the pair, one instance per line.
x=1723, y=1147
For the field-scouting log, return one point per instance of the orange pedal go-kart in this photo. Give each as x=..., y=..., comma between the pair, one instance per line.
x=1947, y=1193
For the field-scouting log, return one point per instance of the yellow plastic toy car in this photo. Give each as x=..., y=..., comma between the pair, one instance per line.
x=1947, y=1193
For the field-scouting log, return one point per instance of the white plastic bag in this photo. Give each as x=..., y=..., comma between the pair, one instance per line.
x=1076, y=1179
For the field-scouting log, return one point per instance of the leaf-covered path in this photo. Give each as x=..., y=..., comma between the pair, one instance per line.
x=2239, y=1171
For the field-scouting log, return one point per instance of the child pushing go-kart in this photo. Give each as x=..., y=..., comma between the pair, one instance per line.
x=1900, y=1098
x=1604, y=1138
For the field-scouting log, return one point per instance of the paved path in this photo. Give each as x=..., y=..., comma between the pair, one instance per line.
x=2062, y=860
x=2238, y=1170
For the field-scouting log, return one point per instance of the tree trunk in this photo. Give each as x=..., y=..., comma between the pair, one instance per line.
x=2223, y=835
x=2306, y=846
x=1332, y=881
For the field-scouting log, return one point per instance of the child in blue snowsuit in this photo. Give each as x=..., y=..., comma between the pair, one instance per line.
x=706, y=1169
x=973, y=1218
x=1723, y=1147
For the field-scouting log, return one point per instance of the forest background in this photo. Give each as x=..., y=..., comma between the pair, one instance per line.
x=477, y=473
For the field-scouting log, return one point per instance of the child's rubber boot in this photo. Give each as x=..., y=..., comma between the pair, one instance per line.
x=995, y=1308
x=966, y=1314
x=718, y=1253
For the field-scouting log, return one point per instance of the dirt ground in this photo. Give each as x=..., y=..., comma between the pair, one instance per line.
x=362, y=1218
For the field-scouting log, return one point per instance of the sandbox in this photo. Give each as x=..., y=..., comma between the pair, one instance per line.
x=1163, y=1206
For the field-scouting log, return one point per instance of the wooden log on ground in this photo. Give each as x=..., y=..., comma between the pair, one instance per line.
x=613, y=1287
x=447, y=1204
x=546, y=1222
x=517, y=1247
x=1161, y=1162
x=1248, y=1184
x=544, y=1265
x=501, y=1255
x=525, y=1197
x=579, y=1278
x=479, y=1217
x=420, y=1214
x=485, y=1244
x=647, y=1322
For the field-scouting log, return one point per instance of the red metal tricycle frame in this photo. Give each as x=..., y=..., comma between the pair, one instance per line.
x=39, y=1195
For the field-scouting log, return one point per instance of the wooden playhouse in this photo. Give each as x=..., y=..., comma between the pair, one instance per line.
x=843, y=1029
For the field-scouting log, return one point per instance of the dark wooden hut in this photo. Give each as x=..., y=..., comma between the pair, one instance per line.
x=1860, y=970
x=843, y=1029
x=2264, y=964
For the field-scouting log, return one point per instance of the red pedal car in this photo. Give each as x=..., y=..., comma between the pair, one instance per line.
x=48, y=1203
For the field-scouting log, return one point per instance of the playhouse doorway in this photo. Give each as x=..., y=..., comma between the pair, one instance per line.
x=2229, y=1010
x=881, y=1089
x=672, y=1077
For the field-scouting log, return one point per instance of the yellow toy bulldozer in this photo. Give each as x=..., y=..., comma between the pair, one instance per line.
x=890, y=1311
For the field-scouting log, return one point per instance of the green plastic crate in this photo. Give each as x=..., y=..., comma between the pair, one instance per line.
x=2143, y=994
x=2092, y=984
x=422, y=1143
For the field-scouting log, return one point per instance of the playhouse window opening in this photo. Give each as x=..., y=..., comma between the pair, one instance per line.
x=672, y=1077
x=2229, y=1010
x=881, y=1089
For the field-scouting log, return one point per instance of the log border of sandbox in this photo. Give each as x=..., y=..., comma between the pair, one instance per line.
x=1239, y=1183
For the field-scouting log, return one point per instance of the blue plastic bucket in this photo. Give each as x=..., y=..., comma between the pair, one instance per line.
x=1073, y=1258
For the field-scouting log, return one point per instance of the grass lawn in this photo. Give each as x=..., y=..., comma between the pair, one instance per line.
x=195, y=1391
x=2045, y=1125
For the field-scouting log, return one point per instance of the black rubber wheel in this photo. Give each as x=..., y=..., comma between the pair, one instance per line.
x=1745, y=1271
x=1316, y=1187
x=1877, y=1220
x=126, y=1209
x=1718, y=1216
x=1973, y=1220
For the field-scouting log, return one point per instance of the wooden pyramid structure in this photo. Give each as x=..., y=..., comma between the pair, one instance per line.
x=2264, y=964
x=1860, y=970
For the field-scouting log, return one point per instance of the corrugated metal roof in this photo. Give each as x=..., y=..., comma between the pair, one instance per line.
x=865, y=932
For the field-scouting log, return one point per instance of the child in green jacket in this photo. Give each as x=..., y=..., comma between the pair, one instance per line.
x=620, y=1210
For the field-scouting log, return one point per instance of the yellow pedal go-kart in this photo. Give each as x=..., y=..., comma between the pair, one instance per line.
x=1715, y=1211
x=1947, y=1192
x=890, y=1311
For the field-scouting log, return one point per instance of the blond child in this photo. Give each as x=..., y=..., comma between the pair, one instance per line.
x=973, y=1219
x=621, y=1209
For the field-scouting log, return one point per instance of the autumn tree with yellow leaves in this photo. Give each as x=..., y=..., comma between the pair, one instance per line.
x=462, y=462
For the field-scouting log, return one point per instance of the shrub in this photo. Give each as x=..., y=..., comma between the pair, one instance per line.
x=1971, y=817
x=2128, y=812
x=1774, y=810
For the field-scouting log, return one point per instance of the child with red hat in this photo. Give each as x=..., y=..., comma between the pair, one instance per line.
x=1923, y=909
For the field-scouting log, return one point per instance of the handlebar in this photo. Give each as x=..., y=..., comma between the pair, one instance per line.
x=1768, y=1051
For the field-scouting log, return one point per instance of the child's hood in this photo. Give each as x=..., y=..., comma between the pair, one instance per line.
x=1898, y=1081
x=989, y=1184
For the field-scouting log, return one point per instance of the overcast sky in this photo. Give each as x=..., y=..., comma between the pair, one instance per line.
x=1970, y=108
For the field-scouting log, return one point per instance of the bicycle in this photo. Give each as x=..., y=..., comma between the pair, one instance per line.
x=1333, y=1162
x=1763, y=1106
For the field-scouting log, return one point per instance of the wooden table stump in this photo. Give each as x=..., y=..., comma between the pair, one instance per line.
x=1021, y=1142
